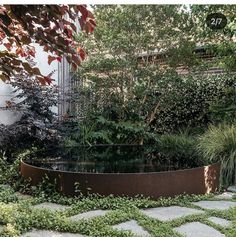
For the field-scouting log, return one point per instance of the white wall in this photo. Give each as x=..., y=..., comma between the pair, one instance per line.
x=41, y=58
x=8, y=117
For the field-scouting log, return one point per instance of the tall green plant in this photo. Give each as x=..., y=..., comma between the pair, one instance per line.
x=219, y=144
x=223, y=107
x=180, y=147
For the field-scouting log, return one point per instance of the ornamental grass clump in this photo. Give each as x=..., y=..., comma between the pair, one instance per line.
x=177, y=145
x=180, y=148
x=219, y=144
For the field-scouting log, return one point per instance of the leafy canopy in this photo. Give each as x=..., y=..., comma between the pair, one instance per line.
x=132, y=71
x=51, y=26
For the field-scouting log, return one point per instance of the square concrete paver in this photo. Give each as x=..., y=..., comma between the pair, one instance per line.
x=51, y=206
x=226, y=195
x=23, y=196
x=132, y=226
x=232, y=189
x=89, y=214
x=46, y=233
x=4, y=187
x=170, y=213
x=197, y=229
x=219, y=221
x=215, y=205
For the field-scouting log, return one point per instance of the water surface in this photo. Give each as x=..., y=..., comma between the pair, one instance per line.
x=109, y=159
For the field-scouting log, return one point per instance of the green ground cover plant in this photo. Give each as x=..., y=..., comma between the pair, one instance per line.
x=17, y=215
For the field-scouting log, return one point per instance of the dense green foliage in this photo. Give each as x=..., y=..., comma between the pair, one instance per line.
x=194, y=102
x=219, y=144
x=132, y=92
x=104, y=131
x=183, y=102
x=223, y=107
x=181, y=148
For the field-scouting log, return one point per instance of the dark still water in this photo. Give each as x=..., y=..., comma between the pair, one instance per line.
x=109, y=159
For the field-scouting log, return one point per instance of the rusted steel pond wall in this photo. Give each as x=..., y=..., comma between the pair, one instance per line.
x=200, y=180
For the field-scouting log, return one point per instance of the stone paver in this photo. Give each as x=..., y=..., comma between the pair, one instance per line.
x=132, y=226
x=5, y=186
x=232, y=189
x=197, y=229
x=217, y=205
x=51, y=206
x=226, y=195
x=46, y=233
x=170, y=213
x=219, y=221
x=89, y=214
x=23, y=196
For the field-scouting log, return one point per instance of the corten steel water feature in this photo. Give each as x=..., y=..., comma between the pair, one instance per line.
x=199, y=180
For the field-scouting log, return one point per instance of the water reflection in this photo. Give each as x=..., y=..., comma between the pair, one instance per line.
x=109, y=159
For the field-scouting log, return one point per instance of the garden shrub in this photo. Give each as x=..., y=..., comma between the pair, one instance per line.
x=175, y=102
x=103, y=131
x=194, y=102
x=223, y=107
x=9, y=170
x=218, y=143
x=180, y=147
x=37, y=125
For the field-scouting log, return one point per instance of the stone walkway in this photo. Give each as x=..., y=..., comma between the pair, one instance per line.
x=89, y=214
x=197, y=229
x=170, y=213
x=164, y=214
x=132, y=226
